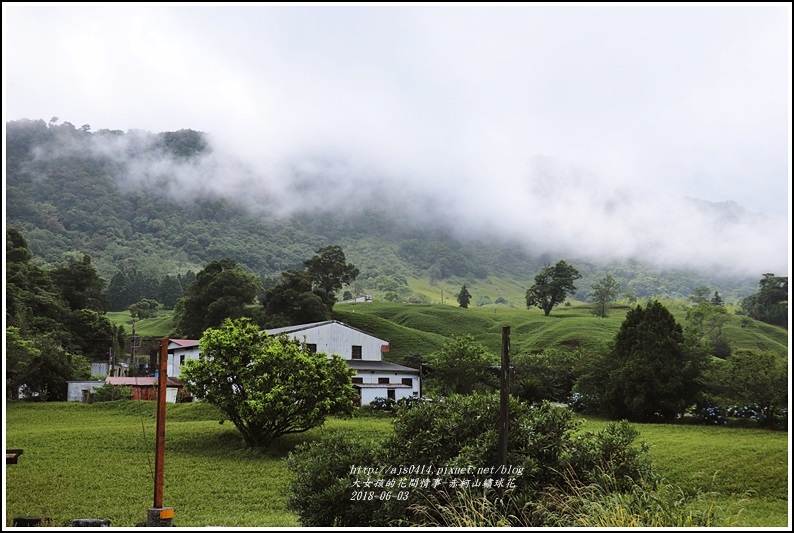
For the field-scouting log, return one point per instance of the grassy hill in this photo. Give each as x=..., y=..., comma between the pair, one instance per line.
x=415, y=330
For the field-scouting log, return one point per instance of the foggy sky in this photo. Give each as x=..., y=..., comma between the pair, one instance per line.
x=576, y=127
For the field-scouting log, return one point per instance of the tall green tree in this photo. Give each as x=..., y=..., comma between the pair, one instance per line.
x=33, y=302
x=38, y=369
x=700, y=294
x=223, y=289
x=81, y=286
x=770, y=303
x=92, y=334
x=552, y=286
x=704, y=324
x=330, y=272
x=650, y=373
x=753, y=378
x=605, y=292
x=170, y=292
x=292, y=301
x=464, y=297
x=267, y=386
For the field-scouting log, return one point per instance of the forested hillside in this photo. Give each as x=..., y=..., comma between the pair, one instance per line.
x=120, y=198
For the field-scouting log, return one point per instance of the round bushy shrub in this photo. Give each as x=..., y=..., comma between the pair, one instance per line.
x=108, y=393
x=545, y=456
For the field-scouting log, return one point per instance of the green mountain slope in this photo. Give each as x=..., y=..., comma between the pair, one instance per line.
x=72, y=192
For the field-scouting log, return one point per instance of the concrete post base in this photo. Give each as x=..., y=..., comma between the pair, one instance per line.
x=160, y=517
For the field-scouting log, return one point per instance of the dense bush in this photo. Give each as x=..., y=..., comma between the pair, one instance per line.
x=413, y=477
x=109, y=393
x=381, y=404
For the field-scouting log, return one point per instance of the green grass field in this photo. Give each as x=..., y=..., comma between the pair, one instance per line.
x=95, y=461
x=415, y=330
x=426, y=327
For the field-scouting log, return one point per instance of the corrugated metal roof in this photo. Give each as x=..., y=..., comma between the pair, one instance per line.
x=140, y=381
x=184, y=343
x=302, y=327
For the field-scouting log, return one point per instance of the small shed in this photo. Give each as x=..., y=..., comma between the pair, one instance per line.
x=143, y=387
x=80, y=391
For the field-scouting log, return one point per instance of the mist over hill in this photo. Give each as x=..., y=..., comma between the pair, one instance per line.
x=173, y=201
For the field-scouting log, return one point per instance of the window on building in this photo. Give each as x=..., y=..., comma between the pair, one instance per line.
x=358, y=380
x=383, y=380
x=182, y=359
x=408, y=381
x=390, y=394
x=356, y=354
x=312, y=348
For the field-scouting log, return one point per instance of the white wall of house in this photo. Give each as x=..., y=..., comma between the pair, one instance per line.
x=177, y=355
x=369, y=394
x=375, y=384
x=336, y=338
x=76, y=390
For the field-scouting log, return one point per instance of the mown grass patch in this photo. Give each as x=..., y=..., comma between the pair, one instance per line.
x=150, y=328
x=742, y=472
x=95, y=461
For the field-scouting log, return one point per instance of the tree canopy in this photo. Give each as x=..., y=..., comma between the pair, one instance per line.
x=604, y=293
x=48, y=342
x=222, y=290
x=650, y=373
x=292, y=301
x=770, y=303
x=81, y=286
x=755, y=379
x=330, y=271
x=267, y=386
x=552, y=286
x=464, y=297
x=462, y=366
x=308, y=295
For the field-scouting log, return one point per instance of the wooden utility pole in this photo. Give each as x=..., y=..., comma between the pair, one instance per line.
x=159, y=458
x=504, y=397
x=159, y=515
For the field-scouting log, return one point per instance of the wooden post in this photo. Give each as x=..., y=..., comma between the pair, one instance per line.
x=159, y=459
x=504, y=397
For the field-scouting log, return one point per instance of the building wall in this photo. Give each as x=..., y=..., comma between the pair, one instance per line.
x=175, y=359
x=368, y=395
x=74, y=391
x=149, y=394
x=369, y=376
x=334, y=338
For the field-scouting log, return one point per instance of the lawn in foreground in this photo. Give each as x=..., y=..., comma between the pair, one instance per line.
x=96, y=461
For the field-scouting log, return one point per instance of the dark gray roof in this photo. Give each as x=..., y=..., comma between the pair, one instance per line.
x=381, y=386
x=380, y=366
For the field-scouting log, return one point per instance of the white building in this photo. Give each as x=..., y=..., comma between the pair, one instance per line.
x=80, y=391
x=179, y=351
x=374, y=377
